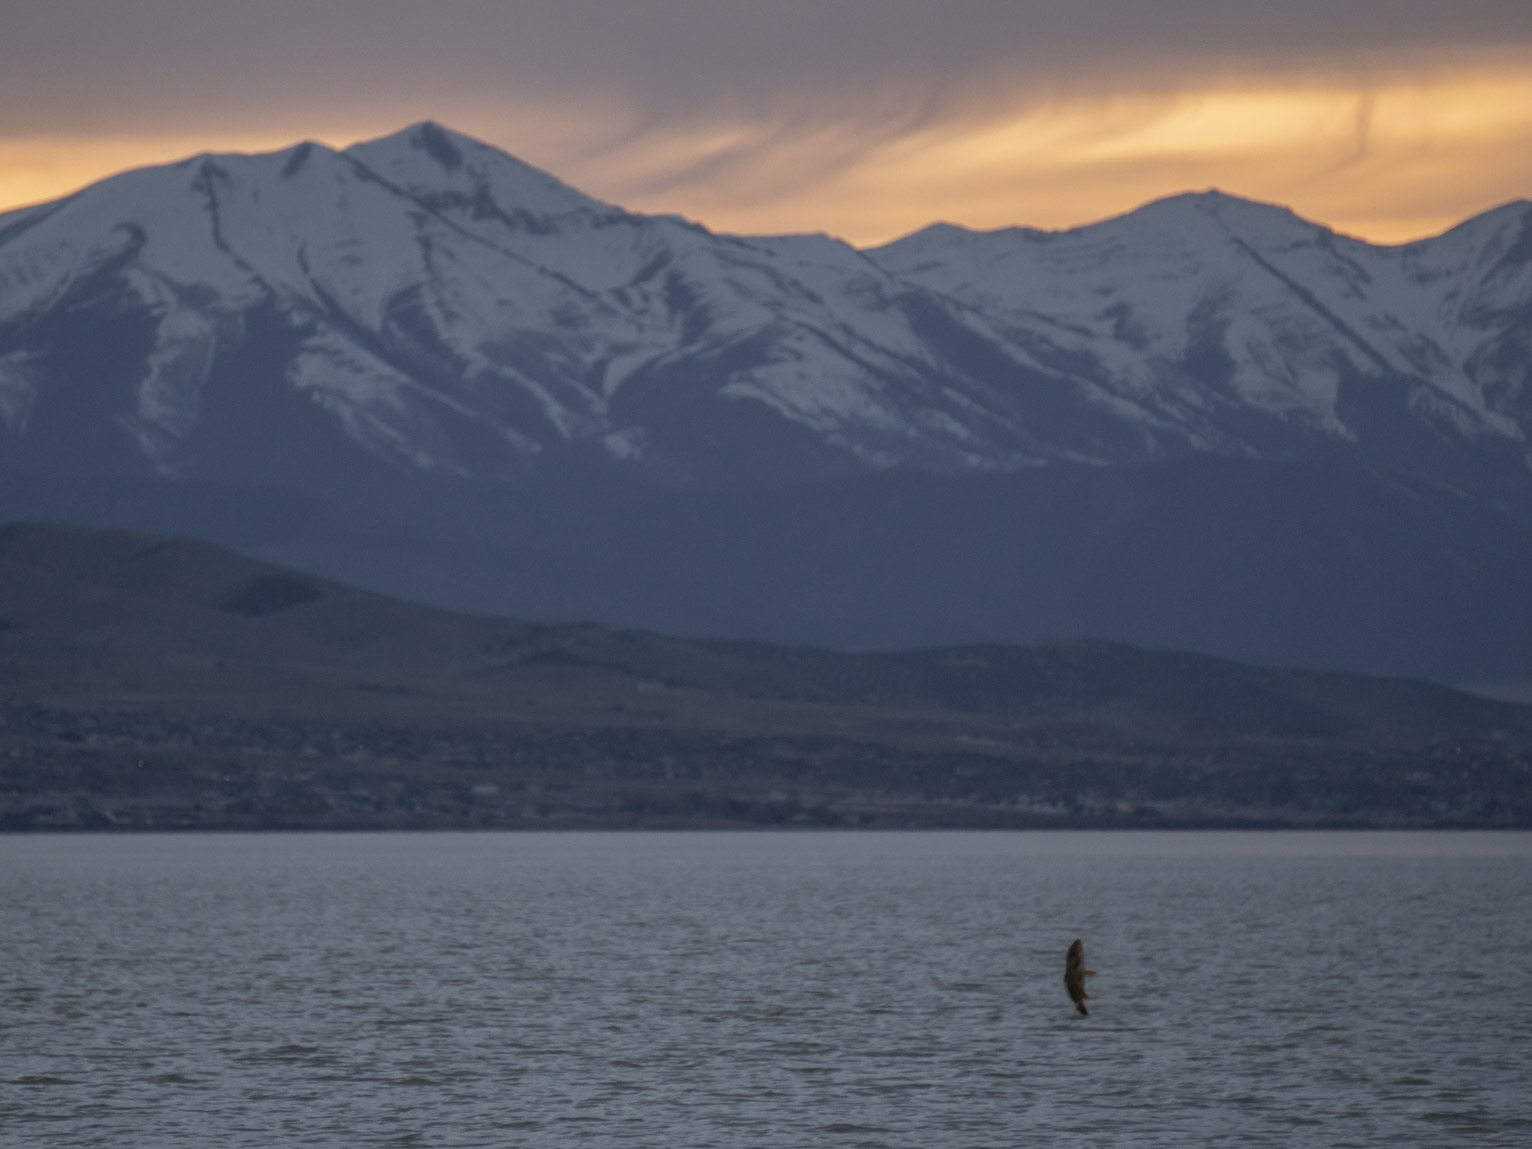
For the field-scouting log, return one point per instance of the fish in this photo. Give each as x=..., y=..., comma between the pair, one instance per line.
x=1075, y=974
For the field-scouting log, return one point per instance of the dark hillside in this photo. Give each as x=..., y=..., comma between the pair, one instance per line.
x=254, y=696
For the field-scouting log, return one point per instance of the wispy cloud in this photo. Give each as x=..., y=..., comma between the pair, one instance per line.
x=864, y=118
x=1390, y=157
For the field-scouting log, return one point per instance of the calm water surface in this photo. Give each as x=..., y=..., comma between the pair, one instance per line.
x=746, y=990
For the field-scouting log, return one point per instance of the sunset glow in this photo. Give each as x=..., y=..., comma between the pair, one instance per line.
x=35, y=169
x=1388, y=161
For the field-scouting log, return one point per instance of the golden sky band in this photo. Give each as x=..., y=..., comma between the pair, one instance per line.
x=1396, y=158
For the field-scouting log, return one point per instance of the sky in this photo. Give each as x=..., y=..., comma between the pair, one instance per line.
x=867, y=119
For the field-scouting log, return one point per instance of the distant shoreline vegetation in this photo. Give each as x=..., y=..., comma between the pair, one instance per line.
x=132, y=772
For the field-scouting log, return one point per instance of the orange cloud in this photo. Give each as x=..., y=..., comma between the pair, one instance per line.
x=1389, y=157
x=1389, y=161
x=38, y=168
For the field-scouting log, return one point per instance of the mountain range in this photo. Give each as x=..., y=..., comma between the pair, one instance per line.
x=170, y=683
x=424, y=366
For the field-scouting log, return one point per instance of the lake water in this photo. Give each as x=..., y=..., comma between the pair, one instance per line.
x=742, y=990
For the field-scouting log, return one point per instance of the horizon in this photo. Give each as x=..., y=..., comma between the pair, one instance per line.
x=865, y=119
x=1021, y=225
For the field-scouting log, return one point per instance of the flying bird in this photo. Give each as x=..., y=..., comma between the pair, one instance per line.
x=1075, y=974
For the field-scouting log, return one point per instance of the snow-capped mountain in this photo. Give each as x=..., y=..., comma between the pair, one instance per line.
x=461, y=313
x=1199, y=312
x=421, y=365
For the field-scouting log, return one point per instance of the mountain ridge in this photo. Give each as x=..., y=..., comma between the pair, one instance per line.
x=167, y=682
x=889, y=339
x=424, y=365
x=348, y=632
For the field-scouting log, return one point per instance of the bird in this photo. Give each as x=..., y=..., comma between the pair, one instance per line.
x=1075, y=974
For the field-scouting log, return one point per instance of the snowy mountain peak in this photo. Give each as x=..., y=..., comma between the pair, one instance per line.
x=444, y=168
x=452, y=309
x=1194, y=211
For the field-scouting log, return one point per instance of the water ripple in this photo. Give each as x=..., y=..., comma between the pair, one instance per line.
x=762, y=990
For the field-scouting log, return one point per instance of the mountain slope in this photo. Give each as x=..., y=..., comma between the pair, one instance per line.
x=424, y=366
x=168, y=682
x=98, y=615
x=455, y=310
x=1261, y=329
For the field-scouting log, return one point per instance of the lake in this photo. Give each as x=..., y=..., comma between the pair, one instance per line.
x=765, y=989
